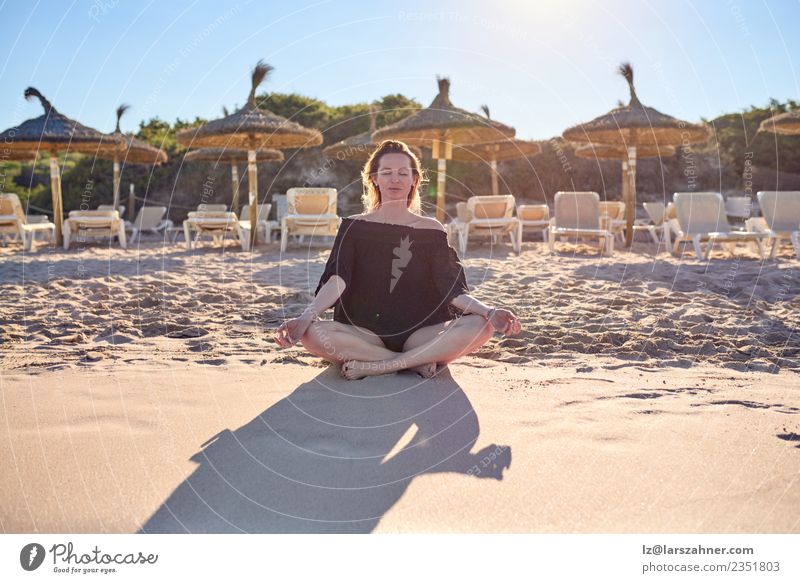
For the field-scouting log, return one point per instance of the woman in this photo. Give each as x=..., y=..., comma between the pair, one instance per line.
x=400, y=294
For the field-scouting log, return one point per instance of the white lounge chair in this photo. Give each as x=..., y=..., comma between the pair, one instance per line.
x=212, y=208
x=491, y=215
x=577, y=214
x=780, y=218
x=655, y=224
x=110, y=207
x=13, y=220
x=151, y=219
x=739, y=208
x=262, y=213
x=613, y=212
x=96, y=223
x=310, y=211
x=534, y=217
x=217, y=224
x=701, y=217
x=453, y=228
x=281, y=210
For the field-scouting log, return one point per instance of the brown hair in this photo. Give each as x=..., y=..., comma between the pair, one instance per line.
x=372, y=194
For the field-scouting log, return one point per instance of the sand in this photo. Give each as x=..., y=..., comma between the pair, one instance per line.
x=142, y=392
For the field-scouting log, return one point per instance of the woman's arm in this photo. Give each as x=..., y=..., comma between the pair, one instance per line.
x=327, y=296
x=469, y=305
x=291, y=331
x=502, y=320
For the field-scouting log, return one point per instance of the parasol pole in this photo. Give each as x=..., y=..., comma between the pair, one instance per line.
x=252, y=184
x=116, y=181
x=630, y=203
x=131, y=204
x=495, y=189
x=440, y=181
x=625, y=180
x=55, y=189
x=235, y=187
x=442, y=151
x=120, y=112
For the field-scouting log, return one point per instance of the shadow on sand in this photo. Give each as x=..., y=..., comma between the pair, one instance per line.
x=332, y=457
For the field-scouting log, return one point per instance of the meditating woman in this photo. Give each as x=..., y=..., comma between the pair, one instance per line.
x=399, y=291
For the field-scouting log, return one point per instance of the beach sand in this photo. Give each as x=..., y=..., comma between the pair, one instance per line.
x=142, y=392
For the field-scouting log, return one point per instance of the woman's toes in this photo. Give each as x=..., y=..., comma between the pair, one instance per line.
x=426, y=371
x=350, y=370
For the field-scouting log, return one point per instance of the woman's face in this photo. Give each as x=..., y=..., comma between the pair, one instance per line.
x=395, y=177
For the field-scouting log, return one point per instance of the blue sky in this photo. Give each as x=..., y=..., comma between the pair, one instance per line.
x=540, y=66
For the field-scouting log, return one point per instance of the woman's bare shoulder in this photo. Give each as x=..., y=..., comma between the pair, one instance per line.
x=429, y=223
x=362, y=216
x=420, y=222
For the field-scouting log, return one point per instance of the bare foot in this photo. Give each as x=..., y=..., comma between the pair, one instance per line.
x=356, y=369
x=426, y=371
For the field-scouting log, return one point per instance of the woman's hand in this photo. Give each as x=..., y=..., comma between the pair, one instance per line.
x=291, y=331
x=505, y=322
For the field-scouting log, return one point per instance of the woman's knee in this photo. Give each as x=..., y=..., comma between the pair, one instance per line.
x=479, y=326
x=317, y=337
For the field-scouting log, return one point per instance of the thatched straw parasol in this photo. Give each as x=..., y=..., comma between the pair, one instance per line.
x=494, y=152
x=52, y=132
x=136, y=152
x=360, y=146
x=234, y=156
x=633, y=126
x=251, y=129
x=617, y=152
x=787, y=124
x=438, y=127
x=17, y=155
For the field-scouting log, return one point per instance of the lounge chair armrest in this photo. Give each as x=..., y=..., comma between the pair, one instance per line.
x=306, y=217
x=756, y=225
x=463, y=214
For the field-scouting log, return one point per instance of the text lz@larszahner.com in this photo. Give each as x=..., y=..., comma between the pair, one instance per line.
x=65, y=554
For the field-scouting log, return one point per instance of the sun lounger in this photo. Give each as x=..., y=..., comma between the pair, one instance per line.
x=701, y=218
x=263, y=211
x=738, y=208
x=97, y=223
x=310, y=211
x=577, y=214
x=655, y=224
x=453, y=228
x=150, y=219
x=110, y=207
x=13, y=220
x=780, y=218
x=217, y=224
x=534, y=217
x=489, y=215
x=614, y=213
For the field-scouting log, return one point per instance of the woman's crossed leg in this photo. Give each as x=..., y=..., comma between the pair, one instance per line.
x=339, y=343
x=426, y=348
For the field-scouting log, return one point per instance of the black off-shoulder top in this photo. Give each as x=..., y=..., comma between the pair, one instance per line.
x=398, y=278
